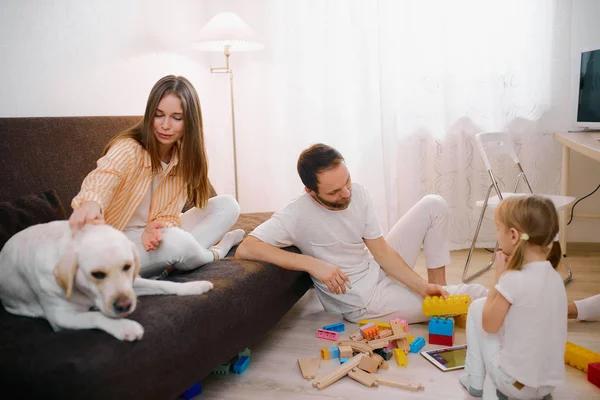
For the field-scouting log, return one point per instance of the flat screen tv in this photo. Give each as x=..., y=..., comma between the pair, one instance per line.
x=588, y=95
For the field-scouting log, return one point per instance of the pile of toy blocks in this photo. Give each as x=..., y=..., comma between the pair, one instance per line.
x=441, y=311
x=584, y=360
x=238, y=364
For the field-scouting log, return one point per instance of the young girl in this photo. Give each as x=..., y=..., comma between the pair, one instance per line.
x=145, y=177
x=517, y=335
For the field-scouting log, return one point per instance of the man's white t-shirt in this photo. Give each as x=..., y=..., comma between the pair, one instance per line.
x=535, y=327
x=332, y=236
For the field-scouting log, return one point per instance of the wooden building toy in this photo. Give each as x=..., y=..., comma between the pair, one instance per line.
x=309, y=367
x=580, y=357
x=345, y=351
x=337, y=327
x=356, y=336
x=338, y=373
x=323, y=334
x=356, y=346
x=452, y=305
x=399, y=383
x=594, y=373
x=380, y=360
x=386, y=353
x=368, y=364
x=361, y=376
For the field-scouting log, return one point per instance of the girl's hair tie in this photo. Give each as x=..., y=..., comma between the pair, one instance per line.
x=556, y=238
x=524, y=236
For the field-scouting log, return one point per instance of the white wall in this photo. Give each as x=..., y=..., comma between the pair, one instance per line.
x=585, y=172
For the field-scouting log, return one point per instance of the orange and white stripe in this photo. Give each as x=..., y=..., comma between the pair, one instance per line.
x=120, y=181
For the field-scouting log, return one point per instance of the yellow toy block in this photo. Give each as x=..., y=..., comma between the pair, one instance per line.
x=452, y=305
x=381, y=325
x=461, y=321
x=401, y=358
x=579, y=357
x=325, y=353
x=410, y=339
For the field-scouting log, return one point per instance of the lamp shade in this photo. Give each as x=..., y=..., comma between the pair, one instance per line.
x=227, y=29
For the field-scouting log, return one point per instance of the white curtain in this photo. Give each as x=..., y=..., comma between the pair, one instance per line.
x=401, y=88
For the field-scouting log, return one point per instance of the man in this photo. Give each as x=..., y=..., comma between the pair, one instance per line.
x=355, y=270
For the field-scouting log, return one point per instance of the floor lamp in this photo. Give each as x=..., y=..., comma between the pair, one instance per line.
x=226, y=32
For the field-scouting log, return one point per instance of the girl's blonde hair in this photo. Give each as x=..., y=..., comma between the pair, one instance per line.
x=193, y=163
x=535, y=216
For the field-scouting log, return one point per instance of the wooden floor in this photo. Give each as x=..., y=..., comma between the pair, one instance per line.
x=274, y=373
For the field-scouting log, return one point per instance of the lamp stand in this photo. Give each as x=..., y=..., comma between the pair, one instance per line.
x=227, y=70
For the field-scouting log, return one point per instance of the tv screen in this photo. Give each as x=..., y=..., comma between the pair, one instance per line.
x=588, y=109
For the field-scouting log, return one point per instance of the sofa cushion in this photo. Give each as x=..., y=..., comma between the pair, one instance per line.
x=28, y=210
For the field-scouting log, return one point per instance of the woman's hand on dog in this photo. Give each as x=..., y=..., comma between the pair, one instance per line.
x=151, y=237
x=89, y=212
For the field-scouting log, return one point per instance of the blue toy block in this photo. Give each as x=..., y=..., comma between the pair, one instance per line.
x=417, y=344
x=241, y=364
x=192, y=392
x=343, y=360
x=337, y=327
x=334, y=352
x=441, y=326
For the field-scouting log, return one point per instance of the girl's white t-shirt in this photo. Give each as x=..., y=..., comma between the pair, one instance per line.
x=139, y=219
x=535, y=327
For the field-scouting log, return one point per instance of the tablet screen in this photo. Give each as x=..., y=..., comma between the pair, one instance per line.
x=448, y=358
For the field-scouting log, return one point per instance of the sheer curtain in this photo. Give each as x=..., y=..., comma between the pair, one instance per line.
x=401, y=88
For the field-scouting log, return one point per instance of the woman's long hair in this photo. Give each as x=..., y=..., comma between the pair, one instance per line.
x=193, y=163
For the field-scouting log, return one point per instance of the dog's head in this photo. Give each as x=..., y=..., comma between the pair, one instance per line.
x=102, y=263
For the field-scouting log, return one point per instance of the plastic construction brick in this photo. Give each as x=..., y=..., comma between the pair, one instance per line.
x=366, y=326
x=579, y=357
x=370, y=332
x=343, y=360
x=401, y=358
x=241, y=365
x=192, y=392
x=410, y=339
x=441, y=326
x=594, y=373
x=452, y=305
x=334, y=352
x=246, y=352
x=417, y=345
x=337, y=327
x=461, y=321
x=222, y=369
x=323, y=334
x=441, y=340
x=387, y=354
x=381, y=325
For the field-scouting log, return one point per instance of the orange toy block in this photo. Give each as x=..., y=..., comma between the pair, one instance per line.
x=452, y=305
x=370, y=332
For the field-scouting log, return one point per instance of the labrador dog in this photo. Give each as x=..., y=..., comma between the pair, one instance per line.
x=49, y=273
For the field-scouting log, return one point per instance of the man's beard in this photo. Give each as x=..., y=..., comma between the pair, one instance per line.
x=334, y=205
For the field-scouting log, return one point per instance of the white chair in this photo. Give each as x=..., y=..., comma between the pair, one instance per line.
x=497, y=144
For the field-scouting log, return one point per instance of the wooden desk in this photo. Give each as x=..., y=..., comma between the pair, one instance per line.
x=586, y=143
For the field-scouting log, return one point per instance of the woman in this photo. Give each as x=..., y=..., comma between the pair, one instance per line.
x=145, y=177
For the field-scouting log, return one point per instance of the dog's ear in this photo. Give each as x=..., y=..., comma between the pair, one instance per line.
x=136, y=261
x=65, y=270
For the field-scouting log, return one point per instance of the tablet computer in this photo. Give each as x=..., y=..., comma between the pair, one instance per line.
x=447, y=358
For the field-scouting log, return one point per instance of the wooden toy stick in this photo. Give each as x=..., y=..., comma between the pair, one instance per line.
x=400, y=383
x=309, y=367
x=380, y=360
x=377, y=342
x=338, y=373
x=368, y=364
x=367, y=379
x=356, y=346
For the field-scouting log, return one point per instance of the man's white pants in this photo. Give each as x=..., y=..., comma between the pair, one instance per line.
x=482, y=370
x=424, y=225
x=188, y=247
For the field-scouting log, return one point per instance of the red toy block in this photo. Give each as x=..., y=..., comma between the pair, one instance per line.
x=594, y=373
x=441, y=340
x=329, y=335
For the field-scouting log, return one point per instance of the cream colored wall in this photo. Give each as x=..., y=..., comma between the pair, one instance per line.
x=585, y=172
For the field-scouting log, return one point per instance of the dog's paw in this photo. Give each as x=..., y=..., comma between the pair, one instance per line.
x=126, y=329
x=197, y=287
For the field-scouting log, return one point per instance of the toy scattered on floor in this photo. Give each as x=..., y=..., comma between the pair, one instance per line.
x=241, y=364
x=441, y=331
x=224, y=369
x=452, y=305
x=417, y=345
x=401, y=358
x=337, y=327
x=328, y=335
x=594, y=373
x=309, y=367
x=192, y=392
x=580, y=357
x=461, y=321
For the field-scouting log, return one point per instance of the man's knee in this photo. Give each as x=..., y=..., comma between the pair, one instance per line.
x=436, y=204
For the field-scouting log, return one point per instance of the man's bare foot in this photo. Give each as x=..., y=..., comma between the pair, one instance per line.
x=437, y=276
x=572, y=310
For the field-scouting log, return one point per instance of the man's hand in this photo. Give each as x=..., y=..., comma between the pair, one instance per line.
x=89, y=212
x=330, y=275
x=434, y=290
x=151, y=237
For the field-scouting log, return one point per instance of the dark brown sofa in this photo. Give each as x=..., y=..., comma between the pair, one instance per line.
x=185, y=337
